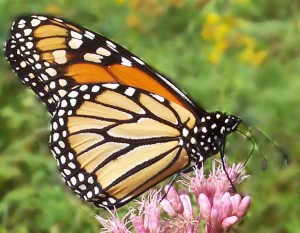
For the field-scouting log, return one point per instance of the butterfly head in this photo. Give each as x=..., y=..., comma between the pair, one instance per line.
x=212, y=131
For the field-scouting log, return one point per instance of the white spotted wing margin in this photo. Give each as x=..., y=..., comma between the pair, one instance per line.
x=112, y=142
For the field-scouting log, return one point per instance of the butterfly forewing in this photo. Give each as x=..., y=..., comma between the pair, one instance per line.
x=113, y=142
x=61, y=55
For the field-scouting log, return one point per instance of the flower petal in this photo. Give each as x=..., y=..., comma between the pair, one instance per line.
x=244, y=206
x=204, y=206
x=229, y=222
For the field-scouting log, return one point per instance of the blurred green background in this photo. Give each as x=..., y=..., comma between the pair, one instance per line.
x=238, y=56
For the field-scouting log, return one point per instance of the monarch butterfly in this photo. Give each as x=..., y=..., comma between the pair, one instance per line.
x=118, y=126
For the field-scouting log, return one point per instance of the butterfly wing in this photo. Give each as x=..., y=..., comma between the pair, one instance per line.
x=57, y=55
x=113, y=142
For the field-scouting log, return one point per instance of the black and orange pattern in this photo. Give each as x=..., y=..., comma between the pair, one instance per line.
x=118, y=126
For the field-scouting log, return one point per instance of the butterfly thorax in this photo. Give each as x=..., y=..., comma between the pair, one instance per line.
x=208, y=136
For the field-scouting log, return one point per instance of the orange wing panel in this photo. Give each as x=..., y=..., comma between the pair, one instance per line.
x=89, y=73
x=134, y=77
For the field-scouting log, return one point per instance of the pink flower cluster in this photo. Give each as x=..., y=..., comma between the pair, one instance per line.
x=216, y=206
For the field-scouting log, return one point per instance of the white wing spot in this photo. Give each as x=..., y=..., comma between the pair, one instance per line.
x=29, y=45
x=52, y=72
x=36, y=57
x=75, y=43
x=42, y=18
x=22, y=21
x=71, y=165
x=60, y=56
x=35, y=22
x=126, y=62
x=104, y=52
x=82, y=187
x=52, y=85
x=95, y=89
x=73, y=180
x=27, y=31
x=62, y=92
x=138, y=60
x=111, y=85
x=111, y=44
x=61, y=112
x=61, y=144
x=92, y=57
x=55, y=137
x=73, y=94
x=64, y=104
x=89, y=35
x=112, y=200
x=87, y=96
x=129, y=91
x=185, y=132
x=73, y=102
x=23, y=64
x=81, y=177
x=62, y=82
x=63, y=159
x=90, y=180
x=58, y=20
x=193, y=140
x=38, y=66
x=83, y=88
x=76, y=35
x=67, y=172
x=21, y=25
x=89, y=194
x=158, y=97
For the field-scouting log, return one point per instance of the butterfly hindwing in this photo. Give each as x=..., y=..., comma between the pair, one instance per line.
x=112, y=142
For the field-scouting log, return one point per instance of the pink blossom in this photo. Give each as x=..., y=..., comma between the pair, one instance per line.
x=178, y=205
x=149, y=214
x=218, y=208
x=113, y=224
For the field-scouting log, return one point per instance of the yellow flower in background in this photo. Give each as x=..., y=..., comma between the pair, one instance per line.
x=224, y=31
x=246, y=55
x=215, y=56
x=217, y=29
x=53, y=9
x=176, y=3
x=209, y=27
x=212, y=18
x=248, y=41
x=244, y=2
x=217, y=52
x=250, y=55
x=259, y=57
x=133, y=21
x=120, y=2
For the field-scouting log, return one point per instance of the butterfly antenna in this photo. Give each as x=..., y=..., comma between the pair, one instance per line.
x=253, y=145
x=281, y=151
